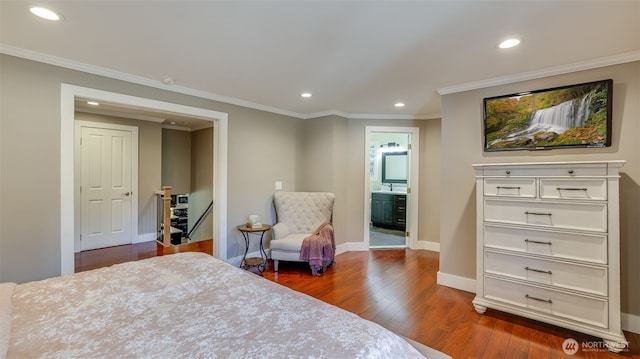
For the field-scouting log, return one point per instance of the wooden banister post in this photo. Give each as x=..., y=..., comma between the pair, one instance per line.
x=166, y=235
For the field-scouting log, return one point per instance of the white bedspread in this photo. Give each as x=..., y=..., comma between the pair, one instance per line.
x=186, y=305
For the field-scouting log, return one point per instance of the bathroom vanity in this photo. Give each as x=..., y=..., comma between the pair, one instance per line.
x=389, y=210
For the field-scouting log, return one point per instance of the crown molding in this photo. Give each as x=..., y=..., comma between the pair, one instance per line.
x=101, y=71
x=366, y=116
x=325, y=113
x=552, y=71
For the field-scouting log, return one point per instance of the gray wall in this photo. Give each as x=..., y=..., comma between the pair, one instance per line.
x=462, y=146
x=321, y=154
x=201, y=180
x=176, y=160
x=262, y=149
x=429, y=201
x=266, y=147
x=324, y=165
x=429, y=206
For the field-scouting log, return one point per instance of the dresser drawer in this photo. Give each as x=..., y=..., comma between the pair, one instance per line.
x=589, y=279
x=584, y=309
x=582, y=216
x=576, y=170
x=586, y=189
x=510, y=187
x=556, y=244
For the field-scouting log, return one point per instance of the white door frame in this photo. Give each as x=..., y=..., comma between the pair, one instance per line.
x=69, y=93
x=412, y=203
x=78, y=175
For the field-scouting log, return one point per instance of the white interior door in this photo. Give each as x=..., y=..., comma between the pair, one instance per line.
x=106, y=187
x=412, y=194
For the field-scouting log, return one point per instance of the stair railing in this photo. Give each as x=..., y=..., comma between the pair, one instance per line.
x=200, y=219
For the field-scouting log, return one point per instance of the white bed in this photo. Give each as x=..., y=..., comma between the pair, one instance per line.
x=182, y=305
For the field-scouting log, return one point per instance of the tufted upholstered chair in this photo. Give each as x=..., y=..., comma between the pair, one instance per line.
x=298, y=214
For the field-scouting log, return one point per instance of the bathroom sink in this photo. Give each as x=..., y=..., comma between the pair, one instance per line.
x=403, y=191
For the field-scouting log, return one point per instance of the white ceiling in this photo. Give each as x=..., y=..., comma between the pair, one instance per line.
x=356, y=57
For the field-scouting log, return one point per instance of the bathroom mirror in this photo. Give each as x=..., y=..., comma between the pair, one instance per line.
x=394, y=167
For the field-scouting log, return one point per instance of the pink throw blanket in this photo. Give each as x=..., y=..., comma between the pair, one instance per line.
x=319, y=248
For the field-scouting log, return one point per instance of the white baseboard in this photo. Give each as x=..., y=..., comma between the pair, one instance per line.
x=145, y=237
x=362, y=247
x=630, y=322
x=456, y=282
x=426, y=245
x=351, y=247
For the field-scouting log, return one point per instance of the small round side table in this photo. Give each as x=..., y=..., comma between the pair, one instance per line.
x=260, y=263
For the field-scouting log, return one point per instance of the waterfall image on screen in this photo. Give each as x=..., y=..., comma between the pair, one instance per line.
x=577, y=115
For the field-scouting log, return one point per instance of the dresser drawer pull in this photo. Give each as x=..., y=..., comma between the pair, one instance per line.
x=571, y=189
x=538, y=214
x=508, y=187
x=538, y=299
x=537, y=242
x=538, y=270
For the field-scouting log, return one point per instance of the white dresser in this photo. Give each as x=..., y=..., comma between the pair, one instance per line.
x=548, y=244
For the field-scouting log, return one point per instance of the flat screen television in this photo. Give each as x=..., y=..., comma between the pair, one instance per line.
x=569, y=116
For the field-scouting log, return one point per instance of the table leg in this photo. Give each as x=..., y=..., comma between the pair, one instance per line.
x=263, y=255
x=245, y=235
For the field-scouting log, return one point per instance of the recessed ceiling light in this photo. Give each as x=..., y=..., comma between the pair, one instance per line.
x=93, y=103
x=45, y=13
x=399, y=104
x=168, y=80
x=306, y=94
x=509, y=43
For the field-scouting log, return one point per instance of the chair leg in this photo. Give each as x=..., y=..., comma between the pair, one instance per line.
x=275, y=265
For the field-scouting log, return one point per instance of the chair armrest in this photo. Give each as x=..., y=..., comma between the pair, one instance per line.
x=280, y=230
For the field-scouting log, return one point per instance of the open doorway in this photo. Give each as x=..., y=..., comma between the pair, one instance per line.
x=175, y=151
x=187, y=167
x=69, y=190
x=388, y=176
x=391, y=164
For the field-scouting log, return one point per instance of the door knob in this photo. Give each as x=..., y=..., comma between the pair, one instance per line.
x=126, y=194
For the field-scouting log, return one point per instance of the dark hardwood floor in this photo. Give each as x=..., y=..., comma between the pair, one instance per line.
x=397, y=289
